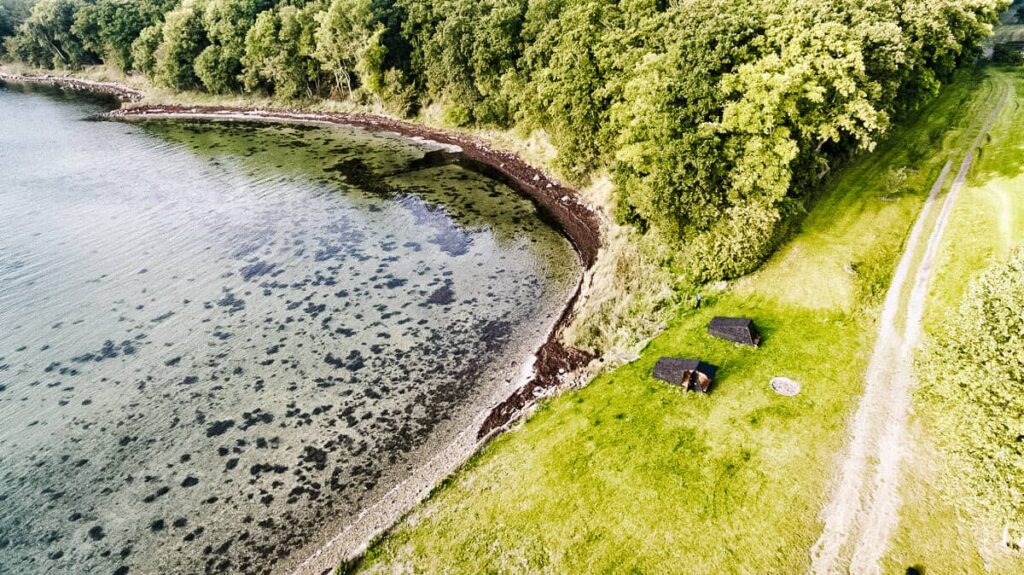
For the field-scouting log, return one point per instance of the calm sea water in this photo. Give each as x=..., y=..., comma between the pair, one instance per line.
x=217, y=338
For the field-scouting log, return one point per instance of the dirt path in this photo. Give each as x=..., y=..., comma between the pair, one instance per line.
x=864, y=506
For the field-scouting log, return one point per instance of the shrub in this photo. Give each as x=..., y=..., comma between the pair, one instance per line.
x=183, y=40
x=972, y=373
x=1007, y=54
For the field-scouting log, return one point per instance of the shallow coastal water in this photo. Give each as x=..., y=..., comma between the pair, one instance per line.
x=216, y=338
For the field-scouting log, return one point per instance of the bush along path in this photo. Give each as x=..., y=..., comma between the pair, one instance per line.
x=864, y=505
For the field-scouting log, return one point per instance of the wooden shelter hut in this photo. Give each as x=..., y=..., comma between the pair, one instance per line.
x=735, y=329
x=690, y=374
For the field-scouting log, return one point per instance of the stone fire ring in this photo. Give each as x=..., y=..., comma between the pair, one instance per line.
x=785, y=386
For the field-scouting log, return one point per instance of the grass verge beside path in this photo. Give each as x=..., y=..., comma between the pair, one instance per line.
x=630, y=475
x=934, y=532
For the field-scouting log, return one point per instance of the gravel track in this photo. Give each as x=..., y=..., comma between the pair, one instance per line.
x=864, y=506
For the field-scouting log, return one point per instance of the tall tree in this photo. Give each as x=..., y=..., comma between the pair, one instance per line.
x=226, y=23
x=108, y=28
x=279, y=52
x=12, y=14
x=668, y=167
x=465, y=50
x=562, y=83
x=345, y=41
x=7, y=25
x=183, y=38
x=46, y=37
x=144, y=48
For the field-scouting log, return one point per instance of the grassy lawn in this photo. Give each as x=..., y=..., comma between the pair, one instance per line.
x=987, y=222
x=630, y=475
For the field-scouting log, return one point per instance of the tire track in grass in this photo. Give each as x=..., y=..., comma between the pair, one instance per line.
x=840, y=514
x=862, y=512
x=882, y=512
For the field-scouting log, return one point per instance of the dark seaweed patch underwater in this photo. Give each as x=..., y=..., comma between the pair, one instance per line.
x=216, y=339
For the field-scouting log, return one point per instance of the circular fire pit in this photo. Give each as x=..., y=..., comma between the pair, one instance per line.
x=785, y=386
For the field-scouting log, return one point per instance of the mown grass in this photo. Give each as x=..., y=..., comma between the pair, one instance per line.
x=632, y=476
x=935, y=530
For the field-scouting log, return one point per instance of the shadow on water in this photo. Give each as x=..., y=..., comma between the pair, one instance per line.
x=237, y=336
x=470, y=194
x=105, y=102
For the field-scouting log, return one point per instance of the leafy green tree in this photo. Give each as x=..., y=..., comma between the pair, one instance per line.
x=226, y=23
x=668, y=168
x=183, y=39
x=466, y=48
x=46, y=38
x=7, y=25
x=391, y=15
x=344, y=35
x=109, y=27
x=944, y=34
x=12, y=14
x=144, y=48
x=561, y=86
x=265, y=66
x=347, y=36
x=279, y=53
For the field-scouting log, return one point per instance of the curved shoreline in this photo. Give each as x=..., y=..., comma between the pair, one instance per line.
x=556, y=203
x=119, y=91
x=551, y=367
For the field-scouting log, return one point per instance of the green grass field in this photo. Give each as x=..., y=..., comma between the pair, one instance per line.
x=632, y=476
x=935, y=532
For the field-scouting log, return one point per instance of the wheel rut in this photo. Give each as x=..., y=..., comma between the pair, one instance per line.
x=863, y=508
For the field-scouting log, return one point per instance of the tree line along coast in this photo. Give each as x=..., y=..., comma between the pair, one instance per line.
x=715, y=120
x=717, y=125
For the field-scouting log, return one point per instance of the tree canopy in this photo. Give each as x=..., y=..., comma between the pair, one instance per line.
x=12, y=14
x=715, y=118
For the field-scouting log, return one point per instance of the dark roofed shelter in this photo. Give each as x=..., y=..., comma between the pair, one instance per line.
x=691, y=374
x=736, y=329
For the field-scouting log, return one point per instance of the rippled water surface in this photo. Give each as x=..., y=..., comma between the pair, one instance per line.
x=216, y=338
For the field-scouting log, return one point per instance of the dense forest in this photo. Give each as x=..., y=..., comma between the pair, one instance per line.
x=715, y=118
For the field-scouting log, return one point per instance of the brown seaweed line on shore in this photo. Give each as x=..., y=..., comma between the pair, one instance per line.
x=554, y=362
x=555, y=203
